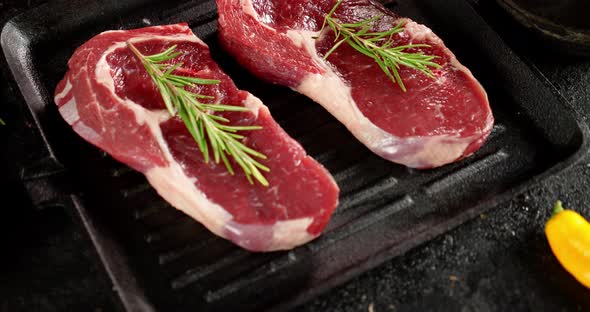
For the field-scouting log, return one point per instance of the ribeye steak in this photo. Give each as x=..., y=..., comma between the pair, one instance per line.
x=109, y=99
x=437, y=121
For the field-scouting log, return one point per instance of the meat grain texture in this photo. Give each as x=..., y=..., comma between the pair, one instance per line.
x=109, y=100
x=436, y=122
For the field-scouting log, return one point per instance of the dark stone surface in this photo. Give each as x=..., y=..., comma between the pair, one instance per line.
x=497, y=262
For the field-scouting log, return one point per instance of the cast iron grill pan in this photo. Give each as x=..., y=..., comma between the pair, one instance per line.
x=160, y=259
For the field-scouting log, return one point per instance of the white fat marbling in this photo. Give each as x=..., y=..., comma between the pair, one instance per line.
x=69, y=111
x=87, y=133
x=291, y=233
x=64, y=92
x=180, y=191
x=253, y=103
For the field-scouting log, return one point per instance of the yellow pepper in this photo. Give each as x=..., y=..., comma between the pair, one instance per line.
x=569, y=237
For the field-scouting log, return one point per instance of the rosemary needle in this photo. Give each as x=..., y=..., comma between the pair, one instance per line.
x=379, y=46
x=213, y=133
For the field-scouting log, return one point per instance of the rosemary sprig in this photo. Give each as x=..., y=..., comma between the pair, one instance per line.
x=379, y=46
x=211, y=132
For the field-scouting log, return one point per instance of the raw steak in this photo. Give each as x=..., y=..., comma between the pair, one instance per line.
x=437, y=121
x=109, y=99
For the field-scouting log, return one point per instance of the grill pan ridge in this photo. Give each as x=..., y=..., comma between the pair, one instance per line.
x=160, y=259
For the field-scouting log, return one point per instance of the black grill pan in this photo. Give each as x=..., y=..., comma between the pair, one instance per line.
x=161, y=260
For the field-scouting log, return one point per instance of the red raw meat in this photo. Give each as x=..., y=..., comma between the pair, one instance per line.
x=437, y=121
x=109, y=99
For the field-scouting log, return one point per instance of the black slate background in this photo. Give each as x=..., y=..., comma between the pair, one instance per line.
x=497, y=262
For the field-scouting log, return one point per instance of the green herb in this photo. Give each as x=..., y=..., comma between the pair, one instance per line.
x=211, y=132
x=380, y=46
x=2, y=122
